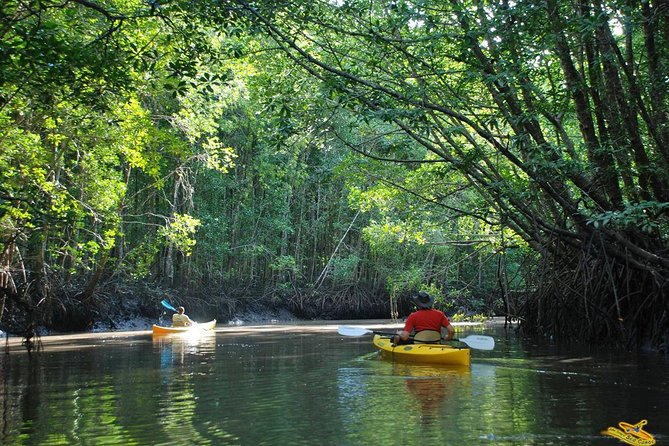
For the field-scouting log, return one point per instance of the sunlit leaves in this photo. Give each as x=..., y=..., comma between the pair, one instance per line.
x=388, y=233
x=180, y=231
x=134, y=133
x=217, y=157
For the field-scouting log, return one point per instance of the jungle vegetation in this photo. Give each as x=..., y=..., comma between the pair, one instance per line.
x=331, y=157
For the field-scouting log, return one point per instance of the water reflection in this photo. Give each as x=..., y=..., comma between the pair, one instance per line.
x=430, y=386
x=317, y=388
x=184, y=358
x=174, y=348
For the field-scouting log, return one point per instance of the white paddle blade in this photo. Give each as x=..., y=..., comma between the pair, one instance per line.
x=346, y=330
x=479, y=342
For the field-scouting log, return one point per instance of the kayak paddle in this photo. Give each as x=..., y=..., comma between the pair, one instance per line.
x=167, y=305
x=478, y=342
x=346, y=330
x=474, y=341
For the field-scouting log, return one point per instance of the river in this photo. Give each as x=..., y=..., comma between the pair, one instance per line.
x=304, y=384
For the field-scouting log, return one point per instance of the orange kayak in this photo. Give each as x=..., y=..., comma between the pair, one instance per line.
x=204, y=326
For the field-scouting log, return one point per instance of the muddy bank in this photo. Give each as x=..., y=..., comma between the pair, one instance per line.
x=136, y=306
x=141, y=329
x=65, y=310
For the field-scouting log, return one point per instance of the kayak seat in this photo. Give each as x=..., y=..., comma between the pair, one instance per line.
x=427, y=337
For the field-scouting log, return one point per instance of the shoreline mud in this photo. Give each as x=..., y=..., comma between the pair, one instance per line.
x=15, y=343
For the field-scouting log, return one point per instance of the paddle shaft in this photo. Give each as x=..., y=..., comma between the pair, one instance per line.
x=384, y=333
x=392, y=335
x=167, y=305
x=473, y=341
x=411, y=338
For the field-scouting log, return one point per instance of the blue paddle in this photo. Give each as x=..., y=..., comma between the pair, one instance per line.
x=167, y=305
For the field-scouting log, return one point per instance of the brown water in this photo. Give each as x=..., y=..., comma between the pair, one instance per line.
x=307, y=385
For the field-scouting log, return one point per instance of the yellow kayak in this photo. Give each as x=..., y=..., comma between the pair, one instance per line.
x=422, y=353
x=204, y=326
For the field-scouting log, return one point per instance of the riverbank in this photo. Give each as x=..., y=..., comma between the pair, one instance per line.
x=141, y=327
x=119, y=306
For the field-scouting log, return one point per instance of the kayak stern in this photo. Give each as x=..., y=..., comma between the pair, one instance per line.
x=422, y=353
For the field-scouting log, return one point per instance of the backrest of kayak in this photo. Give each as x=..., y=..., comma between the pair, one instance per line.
x=427, y=336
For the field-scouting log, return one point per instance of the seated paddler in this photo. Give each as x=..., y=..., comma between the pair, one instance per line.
x=425, y=323
x=181, y=319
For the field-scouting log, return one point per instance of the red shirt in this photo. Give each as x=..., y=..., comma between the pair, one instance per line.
x=426, y=319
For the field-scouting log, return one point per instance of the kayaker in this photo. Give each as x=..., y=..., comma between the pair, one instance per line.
x=181, y=319
x=427, y=319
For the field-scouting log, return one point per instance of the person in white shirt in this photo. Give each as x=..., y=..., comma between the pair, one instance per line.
x=180, y=319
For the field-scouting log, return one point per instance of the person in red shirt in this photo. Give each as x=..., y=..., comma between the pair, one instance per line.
x=425, y=318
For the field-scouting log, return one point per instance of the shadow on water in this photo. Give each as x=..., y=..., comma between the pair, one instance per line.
x=308, y=385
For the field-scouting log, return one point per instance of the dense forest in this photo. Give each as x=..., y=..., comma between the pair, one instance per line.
x=330, y=157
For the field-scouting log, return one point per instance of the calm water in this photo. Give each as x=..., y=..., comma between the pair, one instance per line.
x=290, y=387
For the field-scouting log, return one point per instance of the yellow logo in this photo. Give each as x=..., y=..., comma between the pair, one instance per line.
x=631, y=433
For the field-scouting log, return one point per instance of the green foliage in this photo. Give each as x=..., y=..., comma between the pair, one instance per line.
x=648, y=216
x=460, y=317
x=399, y=282
x=179, y=231
x=283, y=263
x=84, y=134
x=344, y=268
x=183, y=124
